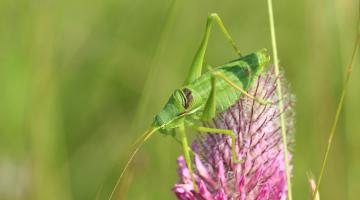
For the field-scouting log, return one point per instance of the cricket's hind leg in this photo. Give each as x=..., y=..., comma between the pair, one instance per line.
x=198, y=60
x=234, y=85
x=215, y=16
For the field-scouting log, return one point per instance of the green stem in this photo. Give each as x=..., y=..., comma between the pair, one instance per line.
x=279, y=94
x=339, y=108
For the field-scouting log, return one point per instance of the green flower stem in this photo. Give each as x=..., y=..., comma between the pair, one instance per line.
x=279, y=94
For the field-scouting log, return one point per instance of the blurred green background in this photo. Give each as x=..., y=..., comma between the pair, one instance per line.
x=80, y=80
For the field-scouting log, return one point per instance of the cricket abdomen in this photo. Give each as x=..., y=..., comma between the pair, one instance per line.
x=225, y=94
x=241, y=72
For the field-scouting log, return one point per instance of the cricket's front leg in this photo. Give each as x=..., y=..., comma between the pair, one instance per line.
x=198, y=61
x=186, y=150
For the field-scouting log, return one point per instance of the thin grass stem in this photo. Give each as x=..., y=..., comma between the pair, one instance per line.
x=279, y=94
x=146, y=91
x=153, y=68
x=339, y=107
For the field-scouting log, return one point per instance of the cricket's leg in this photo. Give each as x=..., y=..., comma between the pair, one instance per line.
x=258, y=100
x=209, y=113
x=198, y=61
x=215, y=16
x=210, y=106
x=186, y=150
x=180, y=143
x=224, y=132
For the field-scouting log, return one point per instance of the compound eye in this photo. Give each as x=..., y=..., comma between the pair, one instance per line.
x=188, y=97
x=247, y=70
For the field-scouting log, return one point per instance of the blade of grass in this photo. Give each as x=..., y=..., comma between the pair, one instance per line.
x=153, y=69
x=144, y=98
x=339, y=107
x=279, y=94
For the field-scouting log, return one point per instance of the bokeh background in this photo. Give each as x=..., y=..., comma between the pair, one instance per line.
x=80, y=80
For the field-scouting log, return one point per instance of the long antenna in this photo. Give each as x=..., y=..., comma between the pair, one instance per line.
x=139, y=142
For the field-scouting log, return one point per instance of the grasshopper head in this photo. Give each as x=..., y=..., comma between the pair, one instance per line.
x=170, y=116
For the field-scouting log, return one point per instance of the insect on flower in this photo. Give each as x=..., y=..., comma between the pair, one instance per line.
x=203, y=96
x=262, y=175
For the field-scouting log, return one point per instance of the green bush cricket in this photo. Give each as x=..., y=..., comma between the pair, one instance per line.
x=203, y=96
